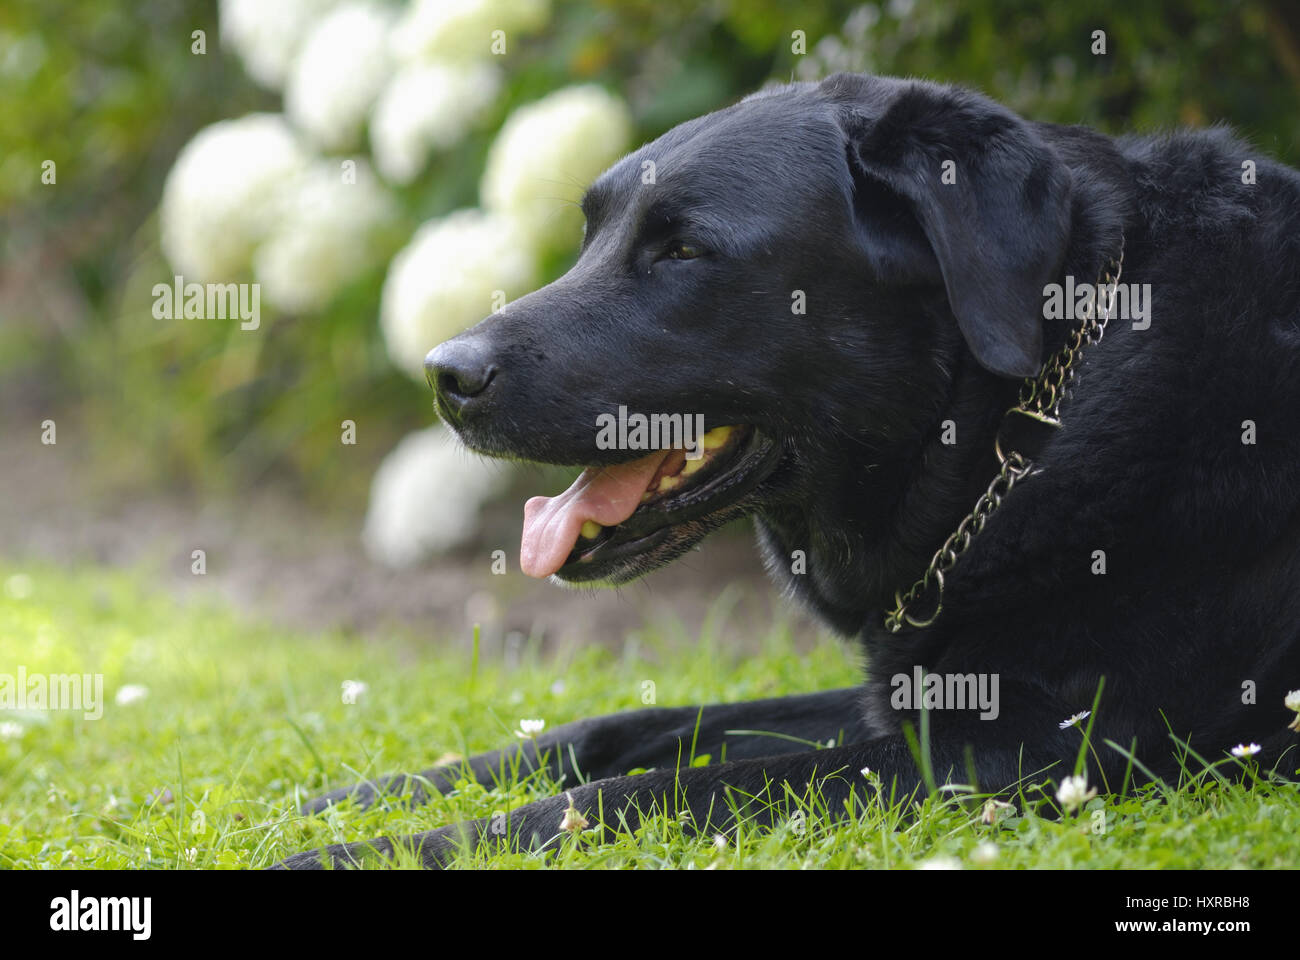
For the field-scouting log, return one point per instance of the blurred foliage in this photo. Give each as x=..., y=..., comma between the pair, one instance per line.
x=111, y=91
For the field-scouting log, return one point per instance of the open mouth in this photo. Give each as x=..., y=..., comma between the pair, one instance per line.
x=617, y=521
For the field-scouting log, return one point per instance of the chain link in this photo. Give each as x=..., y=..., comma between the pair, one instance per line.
x=1040, y=399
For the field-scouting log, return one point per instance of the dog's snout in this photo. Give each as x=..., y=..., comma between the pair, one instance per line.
x=459, y=371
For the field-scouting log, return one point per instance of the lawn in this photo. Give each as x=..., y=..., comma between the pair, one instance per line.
x=214, y=728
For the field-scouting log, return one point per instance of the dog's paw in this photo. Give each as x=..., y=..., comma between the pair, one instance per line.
x=534, y=826
x=432, y=850
x=341, y=856
x=406, y=789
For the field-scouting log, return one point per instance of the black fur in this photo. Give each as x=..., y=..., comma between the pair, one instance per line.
x=924, y=305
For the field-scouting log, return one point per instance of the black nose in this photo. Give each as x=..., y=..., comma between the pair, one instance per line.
x=458, y=371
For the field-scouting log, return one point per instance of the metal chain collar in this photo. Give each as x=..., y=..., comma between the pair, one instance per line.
x=1040, y=400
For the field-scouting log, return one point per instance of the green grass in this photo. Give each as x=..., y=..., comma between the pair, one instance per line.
x=242, y=721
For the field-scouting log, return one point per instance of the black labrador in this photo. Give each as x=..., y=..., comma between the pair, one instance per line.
x=876, y=294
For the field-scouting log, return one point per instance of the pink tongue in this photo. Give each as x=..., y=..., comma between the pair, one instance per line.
x=607, y=495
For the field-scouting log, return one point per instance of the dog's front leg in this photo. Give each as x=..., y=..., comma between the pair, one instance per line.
x=705, y=799
x=602, y=747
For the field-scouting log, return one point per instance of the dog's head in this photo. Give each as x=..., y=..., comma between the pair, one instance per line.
x=798, y=273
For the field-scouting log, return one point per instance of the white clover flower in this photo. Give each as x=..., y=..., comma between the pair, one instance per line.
x=224, y=194
x=719, y=841
x=265, y=34
x=19, y=586
x=353, y=690
x=547, y=153
x=1072, y=721
x=530, y=728
x=1246, y=749
x=337, y=75
x=940, y=863
x=1292, y=702
x=330, y=231
x=1073, y=793
x=444, y=281
x=462, y=29
x=573, y=821
x=426, y=496
x=996, y=810
x=985, y=853
x=428, y=107
x=130, y=693
x=9, y=730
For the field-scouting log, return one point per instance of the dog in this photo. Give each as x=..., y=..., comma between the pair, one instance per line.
x=864, y=288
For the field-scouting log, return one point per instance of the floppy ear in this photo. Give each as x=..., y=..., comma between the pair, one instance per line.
x=992, y=202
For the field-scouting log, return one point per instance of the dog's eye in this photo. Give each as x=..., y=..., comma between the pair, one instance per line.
x=683, y=251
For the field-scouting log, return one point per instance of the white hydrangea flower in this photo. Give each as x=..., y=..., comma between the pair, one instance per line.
x=426, y=496
x=225, y=192
x=462, y=29
x=265, y=34
x=444, y=280
x=547, y=153
x=329, y=234
x=426, y=107
x=337, y=75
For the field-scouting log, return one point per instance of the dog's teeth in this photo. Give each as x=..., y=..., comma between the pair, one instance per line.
x=716, y=437
x=680, y=470
x=591, y=529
